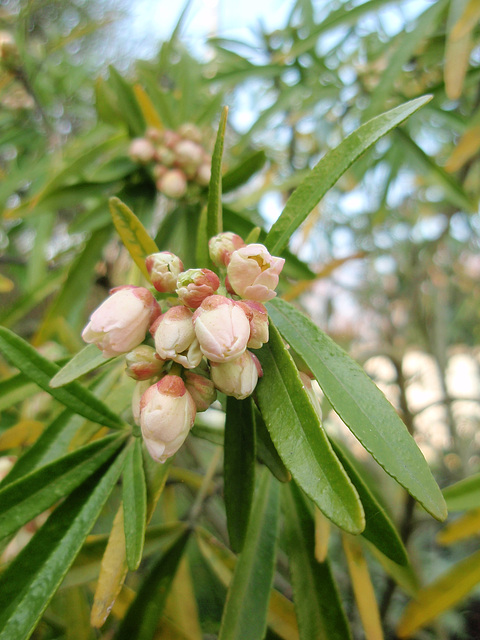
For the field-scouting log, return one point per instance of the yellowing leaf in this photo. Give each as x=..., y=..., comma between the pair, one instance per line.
x=467, y=21
x=281, y=616
x=21, y=434
x=132, y=233
x=457, y=53
x=467, y=147
x=148, y=109
x=362, y=588
x=181, y=606
x=112, y=573
x=464, y=527
x=441, y=595
x=322, y=535
x=5, y=284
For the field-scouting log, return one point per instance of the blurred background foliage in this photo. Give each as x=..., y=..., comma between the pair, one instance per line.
x=388, y=263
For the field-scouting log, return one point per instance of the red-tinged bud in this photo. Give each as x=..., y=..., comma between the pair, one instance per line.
x=141, y=150
x=204, y=173
x=143, y=363
x=239, y=377
x=153, y=134
x=308, y=386
x=170, y=138
x=175, y=338
x=122, y=320
x=201, y=389
x=222, y=246
x=140, y=388
x=253, y=272
x=167, y=413
x=258, y=318
x=194, y=285
x=188, y=153
x=165, y=156
x=159, y=170
x=173, y=184
x=222, y=328
x=190, y=132
x=164, y=268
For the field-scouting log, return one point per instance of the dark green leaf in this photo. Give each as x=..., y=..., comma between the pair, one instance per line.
x=239, y=468
x=266, y=451
x=142, y=617
x=30, y=581
x=127, y=103
x=333, y=165
x=214, y=206
x=244, y=171
x=361, y=405
x=88, y=359
x=134, y=504
x=23, y=356
x=245, y=613
x=299, y=438
x=27, y=497
x=318, y=606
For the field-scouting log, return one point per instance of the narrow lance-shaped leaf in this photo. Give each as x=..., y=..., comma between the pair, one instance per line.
x=463, y=495
x=299, y=438
x=239, y=468
x=24, y=499
x=361, y=405
x=317, y=602
x=333, y=165
x=30, y=581
x=134, y=504
x=214, y=206
x=132, y=233
x=245, y=613
x=466, y=526
x=23, y=356
x=86, y=360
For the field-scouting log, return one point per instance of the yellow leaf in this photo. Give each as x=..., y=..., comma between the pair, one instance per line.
x=148, y=109
x=322, y=535
x=457, y=53
x=6, y=284
x=362, y=588
x=123, y=601
x=441, y=595
x=21, y=434
x=76, y=614
x=281, y=616
x=112, y=573
x=467, y=147
x=464, y=527
x=132, y=233
x=467, y=21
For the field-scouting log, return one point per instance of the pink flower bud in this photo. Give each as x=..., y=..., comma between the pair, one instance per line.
x=153, y=134
x=201, y=389
x=239, y=377
x=167, y=413
x=170, y=138
x=204, y=173
x=164, y=268
x=141, y=150
x=140, y=388
x=190, y=132
x=173, y=184
x=222, y=246
x=194, y=285
x=159, y=170
x=165, y=156
x=258, y=318
x=122, y=320
x=222, y=328
x=175, y=337
x=307, y=385
x=143, y=363
x=188, y=153
x=253, y=272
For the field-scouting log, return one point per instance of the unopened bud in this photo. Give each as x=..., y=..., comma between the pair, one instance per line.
x=221, y=247
x=258, y=318
x=153, y=134
x=190, y=132
x=164, y=268
x=170, y=138
x=173, y=184
x=188, y=153
x=165, y=156
x=201, y=389
x=175, y=337
x=141, y=150
x=204, y=173
x=239, y=377
x=143, y=363
x=307, y=385
x=194, y=285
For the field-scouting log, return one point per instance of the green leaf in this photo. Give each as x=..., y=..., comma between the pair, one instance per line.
x=10, y=315
x=24, y=499
x=201, y=252
x=463, y=495
x=266, y=451
x=132, y=233
x=361, y=405
x=239, y=468
x=379, y=529
x=127, y=103
x=214, y=206
x=134, y=504
x=30, y=581
x=333, y=165
x=243, y=171
x=15, y=389
x=245, y=613
x=142, y=617
x=317, y=602
x=86, y=360
x=23, y=356
x=299, y=438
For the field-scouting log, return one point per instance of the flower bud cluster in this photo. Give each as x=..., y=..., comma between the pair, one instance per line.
x=179, y=162
x=202, y=339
